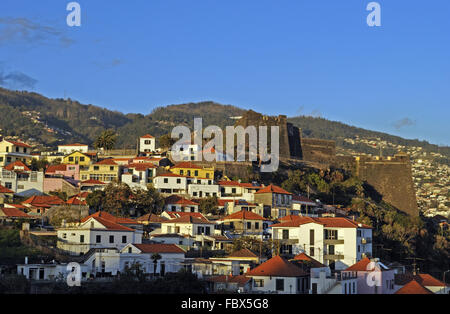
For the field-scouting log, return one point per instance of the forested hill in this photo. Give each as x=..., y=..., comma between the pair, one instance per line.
x=39, y=119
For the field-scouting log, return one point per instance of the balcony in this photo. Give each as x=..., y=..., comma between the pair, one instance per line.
x=289, y=241
x=366, y=240
x=333, y=241
x=335, y=256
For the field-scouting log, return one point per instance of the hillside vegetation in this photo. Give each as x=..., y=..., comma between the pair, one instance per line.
x=39, y=119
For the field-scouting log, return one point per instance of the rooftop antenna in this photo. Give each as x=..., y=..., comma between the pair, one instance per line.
x=414, y=264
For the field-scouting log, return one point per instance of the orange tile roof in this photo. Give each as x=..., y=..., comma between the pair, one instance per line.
x=111, y=218
x=14, y=213
x=43, y=200
x=306, y=258
x=18, y=164
x=273, y=189
x=93, y=182
x=111, y=225
x=54, y=168
x=277, y=267
x=424, y=279
x=244, y=215
x=413, y=287
x=151, y=218
x=185, y=165
x=330, y=222
x=107, y=162
x=141, y=166
x=175, y=199
x=5, y=190
x=159, y=248
x=173, y=215
x=147, y=136
x=76, y=201
x=300, y=198
x=19, y=144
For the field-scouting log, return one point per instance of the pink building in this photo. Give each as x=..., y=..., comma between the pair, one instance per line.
x=373, y=277
x=66, y=171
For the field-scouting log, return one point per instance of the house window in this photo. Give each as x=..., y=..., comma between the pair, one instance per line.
x=359, y=233
x=196, y=173
x=207, y=176
x=111, y=239
x=311, y=237
x=98, y=239
x=178, y=181
x=81, y=158
x=64, y=235
x=166, y=180
x=354, y=288
x=181, y=172
x=311, y=251
x=280, y=284
x=81, y=238
x=256, y=225
x=124, y=239
x=233, y=191
x=96, y=168
x=8, y=185
x=70, y=158
x=111, y=168
x=207, y=231
x=285, y=234
x=259, y=282
x=129, y=250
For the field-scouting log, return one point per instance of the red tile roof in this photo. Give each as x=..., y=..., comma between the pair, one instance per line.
x=147, y=136
x=302, y=257
x=43, y=200
x=109, y=217
x=300, y=198
x=413, y=287
x=5, y=190
x=17, y=164
x=273, y=189
x=159, y=248
x=244, y=215
x=362, y=266
x=54, y=168
x=93, y=182
x=76, y=201
x=19, y=144
x=185, y=165
x=277, y=267
x=173, y=215
x=14, y=213
x=142, y=166
x=111, y=225
x=107, y=162
x=330, y=222
x=151, y=218
x=175, y=199
x=424, y=279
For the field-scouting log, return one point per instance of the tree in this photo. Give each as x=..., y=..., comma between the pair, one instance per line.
x=38, y=165
x=166, y=141
x=117, y=199
x=147, y=201
x=107, y=140
x=209, y=206
x=96, y=199
x=155, y=257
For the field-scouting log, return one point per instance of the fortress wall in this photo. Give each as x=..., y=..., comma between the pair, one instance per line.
x=392, y=179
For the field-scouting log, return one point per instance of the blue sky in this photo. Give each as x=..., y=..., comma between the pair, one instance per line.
x=312, y=57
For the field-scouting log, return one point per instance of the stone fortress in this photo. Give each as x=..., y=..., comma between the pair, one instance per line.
x=391, y=177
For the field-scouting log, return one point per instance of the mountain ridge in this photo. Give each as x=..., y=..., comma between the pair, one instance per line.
x=50, y=122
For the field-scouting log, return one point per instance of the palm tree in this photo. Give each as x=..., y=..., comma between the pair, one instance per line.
x=155, y=257
x=106, y=140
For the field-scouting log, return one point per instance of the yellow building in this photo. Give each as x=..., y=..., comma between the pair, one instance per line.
x=105, y=171
x=77, y=158
x=12, y=151
x=189, y=169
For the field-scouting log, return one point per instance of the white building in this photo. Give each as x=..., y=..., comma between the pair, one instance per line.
x=70, y=148
x=170, y=183
x=95, y=233
x=335, y=242
x=203, y=188
x=280, y=276
x=20, y=179
x=147, y=144
x=139, y=175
